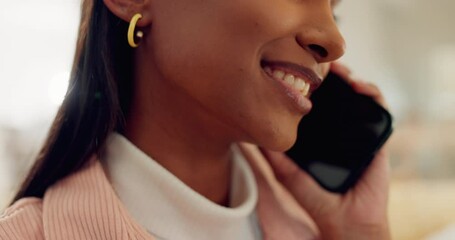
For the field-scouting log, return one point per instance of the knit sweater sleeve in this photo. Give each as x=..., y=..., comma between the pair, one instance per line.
x=22, y=220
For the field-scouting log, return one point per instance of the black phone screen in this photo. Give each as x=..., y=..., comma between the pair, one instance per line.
x=339, y=138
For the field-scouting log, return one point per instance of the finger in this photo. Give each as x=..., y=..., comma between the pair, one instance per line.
x=369, y=89
x=375, y=180
x=340, y=69
x=343, y=71
x=302, y=186
x=357, y=83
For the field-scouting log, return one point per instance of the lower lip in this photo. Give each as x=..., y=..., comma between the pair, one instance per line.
x=298, y=101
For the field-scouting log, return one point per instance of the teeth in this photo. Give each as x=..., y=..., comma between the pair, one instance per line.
x=306, y=89
x=268, y=70
x=299, y=84
x=296, y=82
x=278, y=74
x=289, y=79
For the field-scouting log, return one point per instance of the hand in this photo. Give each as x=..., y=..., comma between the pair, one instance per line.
x=359, y=214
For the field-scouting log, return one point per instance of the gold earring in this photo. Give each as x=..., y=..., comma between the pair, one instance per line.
x=132, y=29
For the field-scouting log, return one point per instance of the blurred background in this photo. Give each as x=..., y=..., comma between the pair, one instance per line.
x=407, y=47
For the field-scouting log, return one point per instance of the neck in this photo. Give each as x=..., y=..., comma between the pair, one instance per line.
x=182, y=137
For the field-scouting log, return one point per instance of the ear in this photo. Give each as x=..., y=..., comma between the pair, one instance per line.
x=126, y=9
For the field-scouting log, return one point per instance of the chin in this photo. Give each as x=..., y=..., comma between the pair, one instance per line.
x=282, y=146
x=273, y=129
x=278, y=142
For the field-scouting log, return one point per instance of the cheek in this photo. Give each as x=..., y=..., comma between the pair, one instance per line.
x=216, y=43
x=208, y=51
x=213, y=54
x=221, y=30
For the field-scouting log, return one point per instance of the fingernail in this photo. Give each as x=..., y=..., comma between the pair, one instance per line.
x=355, y=77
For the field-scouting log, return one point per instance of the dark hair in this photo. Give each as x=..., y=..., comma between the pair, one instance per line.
x=96, y=101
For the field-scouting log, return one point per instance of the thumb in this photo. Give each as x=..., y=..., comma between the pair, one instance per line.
x=301, y=185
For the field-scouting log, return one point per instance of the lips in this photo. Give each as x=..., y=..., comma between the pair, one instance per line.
x=294, y=70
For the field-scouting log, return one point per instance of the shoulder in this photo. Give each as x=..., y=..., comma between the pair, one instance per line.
x=22, y=220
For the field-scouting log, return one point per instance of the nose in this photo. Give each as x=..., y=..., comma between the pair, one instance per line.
x=322, y=39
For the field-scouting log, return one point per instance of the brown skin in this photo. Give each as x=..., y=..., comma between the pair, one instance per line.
x=199, y=85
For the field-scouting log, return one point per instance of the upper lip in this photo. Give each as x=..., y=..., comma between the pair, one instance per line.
x=300, y=71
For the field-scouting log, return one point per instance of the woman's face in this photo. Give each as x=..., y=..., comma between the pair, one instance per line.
x=238, y=58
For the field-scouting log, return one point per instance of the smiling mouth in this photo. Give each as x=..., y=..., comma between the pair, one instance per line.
x=299, y=78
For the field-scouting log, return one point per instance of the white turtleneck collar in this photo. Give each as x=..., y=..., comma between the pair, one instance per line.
x=169, y=209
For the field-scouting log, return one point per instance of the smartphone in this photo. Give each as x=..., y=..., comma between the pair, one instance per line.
x=340, y=136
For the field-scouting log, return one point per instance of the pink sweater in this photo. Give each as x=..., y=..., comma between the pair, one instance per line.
x=85, y=206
